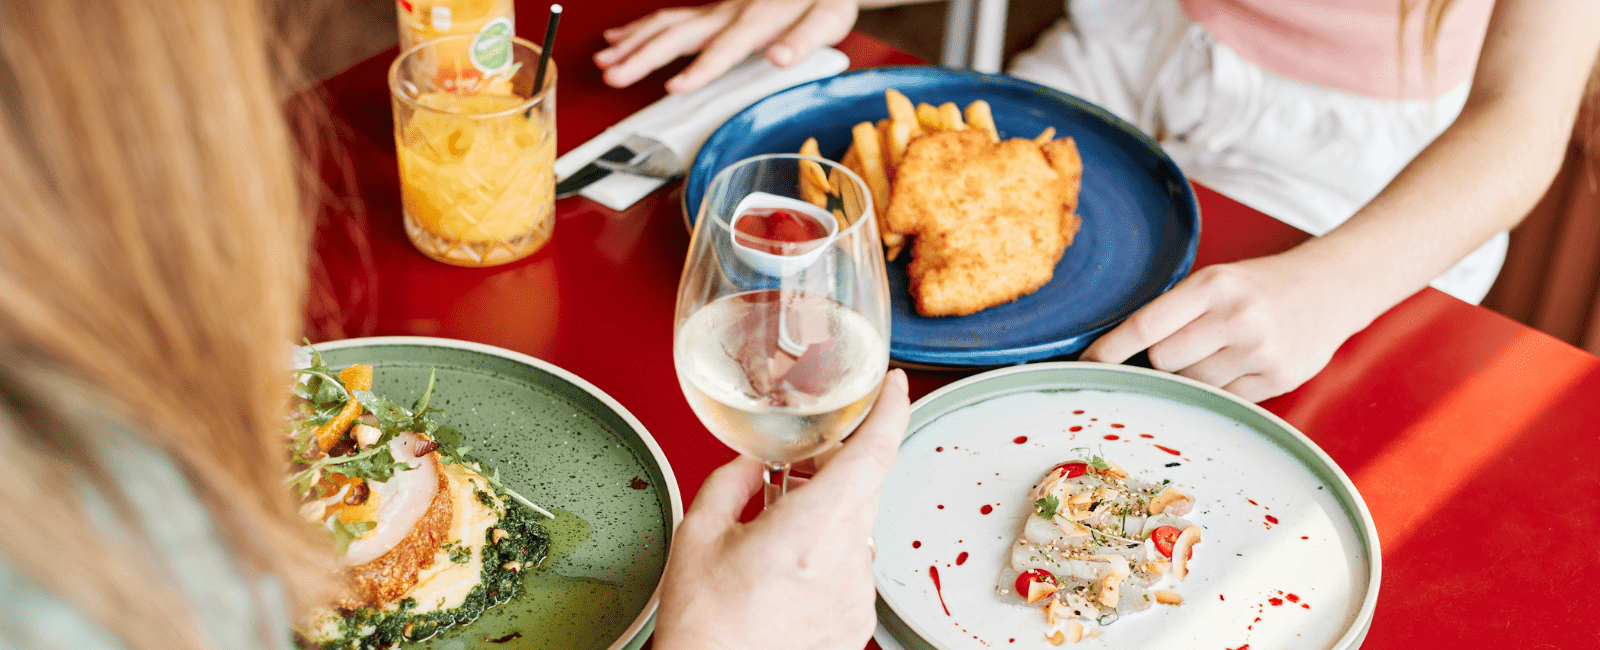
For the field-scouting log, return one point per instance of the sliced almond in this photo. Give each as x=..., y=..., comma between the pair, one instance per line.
x=1156, y=567
x=1080, y=498
x=1074, y=631
x=1056, y=638
x=1093, y=633
x=1111, y=584
x=1038, y=590
x=1112, y=469
x=1078, y=515
x=1171, y=501
x=1055, y=611
x=1180, y=550
x=1168, y=597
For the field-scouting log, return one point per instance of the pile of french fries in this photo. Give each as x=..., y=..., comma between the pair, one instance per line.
x=876, y=149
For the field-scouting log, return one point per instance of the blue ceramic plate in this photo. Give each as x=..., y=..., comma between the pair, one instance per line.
x=1140, y=220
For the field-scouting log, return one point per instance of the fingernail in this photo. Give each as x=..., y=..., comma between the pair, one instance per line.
x=604, y=56
x=676, y=84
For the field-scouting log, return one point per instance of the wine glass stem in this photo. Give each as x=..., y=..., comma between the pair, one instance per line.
x=776, y=477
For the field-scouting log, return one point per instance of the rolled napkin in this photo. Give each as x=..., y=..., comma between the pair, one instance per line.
x=683, y=122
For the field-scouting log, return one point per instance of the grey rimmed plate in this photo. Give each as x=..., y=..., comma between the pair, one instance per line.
x=572, y=449
x=1288, y=557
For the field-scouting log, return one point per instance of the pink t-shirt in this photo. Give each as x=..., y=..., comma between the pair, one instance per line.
x=1349, y=45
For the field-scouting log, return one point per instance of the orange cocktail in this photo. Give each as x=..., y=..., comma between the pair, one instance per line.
x=476, y=148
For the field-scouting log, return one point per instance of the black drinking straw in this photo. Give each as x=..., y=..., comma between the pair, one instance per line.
x=544, y=50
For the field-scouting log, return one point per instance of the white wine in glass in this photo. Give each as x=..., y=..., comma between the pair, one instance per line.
x=782, y=328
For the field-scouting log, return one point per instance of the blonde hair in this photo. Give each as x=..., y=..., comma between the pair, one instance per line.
x=152, y=263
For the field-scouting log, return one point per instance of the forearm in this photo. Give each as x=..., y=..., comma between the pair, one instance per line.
x=1480, y=176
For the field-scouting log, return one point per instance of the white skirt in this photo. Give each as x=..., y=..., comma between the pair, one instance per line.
x=1306, y=155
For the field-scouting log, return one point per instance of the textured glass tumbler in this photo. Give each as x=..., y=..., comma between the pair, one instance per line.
x=476, y=144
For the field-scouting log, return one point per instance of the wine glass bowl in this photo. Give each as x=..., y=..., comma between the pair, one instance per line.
x=782, y=327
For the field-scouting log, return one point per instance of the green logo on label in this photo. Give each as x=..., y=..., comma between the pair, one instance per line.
x=491, y=48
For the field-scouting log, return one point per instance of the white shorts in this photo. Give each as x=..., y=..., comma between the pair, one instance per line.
x=1306, y=155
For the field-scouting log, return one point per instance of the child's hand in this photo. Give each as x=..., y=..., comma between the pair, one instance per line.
x=724, y=33
x=800, y=575
x=1257, y=328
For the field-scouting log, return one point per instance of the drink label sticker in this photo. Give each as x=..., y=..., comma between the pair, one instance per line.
x=440, y=19
x=491, y=48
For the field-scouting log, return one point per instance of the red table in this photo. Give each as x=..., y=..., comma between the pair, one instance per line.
x=1472, y=438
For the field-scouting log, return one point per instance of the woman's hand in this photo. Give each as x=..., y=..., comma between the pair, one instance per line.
x=1257, y=328
x=800, y=575
x=724, y=33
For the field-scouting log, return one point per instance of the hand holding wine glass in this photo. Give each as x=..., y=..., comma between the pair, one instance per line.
x=782, y=327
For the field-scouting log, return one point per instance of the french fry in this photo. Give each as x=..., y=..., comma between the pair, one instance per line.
x=850, y=199
x=813, y=180
x=901, y=111
x=928, y=117
x=950, y=117
x=980, y=117
x=869, y=148
x=1048, y=134
x=898, y=138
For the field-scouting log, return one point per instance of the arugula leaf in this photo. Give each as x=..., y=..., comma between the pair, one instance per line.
x=427, y=395
x=344, y=533
x=1047, y=507
x=1098, y=463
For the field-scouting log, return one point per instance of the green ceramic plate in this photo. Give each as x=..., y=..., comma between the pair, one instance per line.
x=1289, y=556
x=572, y=449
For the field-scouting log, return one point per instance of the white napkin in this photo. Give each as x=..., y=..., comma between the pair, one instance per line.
x=683, y=122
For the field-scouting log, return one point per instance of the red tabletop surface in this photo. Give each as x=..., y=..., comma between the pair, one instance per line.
x=1472, y=438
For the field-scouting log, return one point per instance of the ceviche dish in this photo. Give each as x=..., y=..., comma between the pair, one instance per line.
x=1097, y=545
x=427, y=539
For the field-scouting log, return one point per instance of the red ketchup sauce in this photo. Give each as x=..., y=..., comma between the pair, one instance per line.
x=986, y=509
x=1019, y=439
x=778, y=231
x=961, y=559
x=1169, y=450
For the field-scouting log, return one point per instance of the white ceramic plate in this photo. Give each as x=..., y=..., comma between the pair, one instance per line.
x=1289, y=555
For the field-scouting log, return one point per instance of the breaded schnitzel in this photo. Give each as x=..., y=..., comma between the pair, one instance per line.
x=990, y=219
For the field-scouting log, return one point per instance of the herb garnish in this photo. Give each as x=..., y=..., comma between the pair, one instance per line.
x=344, y=533
x=1047, y=507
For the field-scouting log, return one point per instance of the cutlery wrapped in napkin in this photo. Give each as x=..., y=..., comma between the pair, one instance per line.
x=664, y=137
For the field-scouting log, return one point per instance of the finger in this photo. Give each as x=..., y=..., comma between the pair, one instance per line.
x=1256, y=387
x=663, y=48
x=751, y=30
x=723, y=495
x=1222, y=368
x=825, y=23
x=858, y=470
x=1168, y=313
x=1198, y=340
x=626, y=39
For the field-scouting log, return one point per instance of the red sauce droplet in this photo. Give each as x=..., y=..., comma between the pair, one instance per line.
x=933, y=572
x=961, y=559
x=1275, y=601
x=941, y=506
x=1076, y=428
x=1220, y=597
x=1112, y=436
x=1169, y=450
x=1077, y=412
x=1252, y=502
x=1013, y=641
x=938, y=448
x=1243, y=647
x=916, y=544
x=1116, y=426
x=778, y=230
x=1293, y=598
x=1019, y=439
x=986, y=509
x=1304, y=537
x=1145, y=435
x=1305, y=605
x=1094, y=419
x=1272, y=519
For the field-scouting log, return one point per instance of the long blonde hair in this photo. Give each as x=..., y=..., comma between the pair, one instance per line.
x=152, y=263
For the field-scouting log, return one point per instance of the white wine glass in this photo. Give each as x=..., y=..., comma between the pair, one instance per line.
x=781, y=334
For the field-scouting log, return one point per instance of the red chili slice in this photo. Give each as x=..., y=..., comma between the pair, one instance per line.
x=1165, y=537
x=1032, y=576
x=1074, y=468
